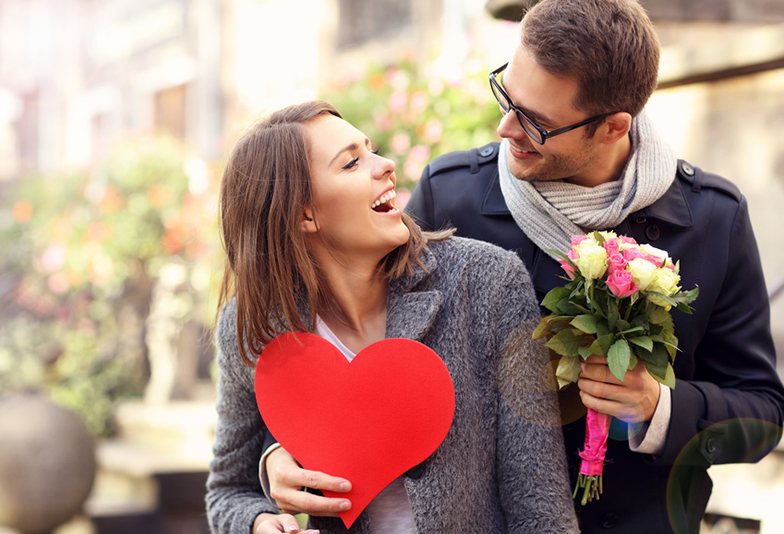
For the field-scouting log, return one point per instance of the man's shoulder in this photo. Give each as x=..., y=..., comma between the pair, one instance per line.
x=469, y=160
x=697, y=180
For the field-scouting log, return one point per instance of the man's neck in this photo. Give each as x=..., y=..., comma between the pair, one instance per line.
x=609, y=164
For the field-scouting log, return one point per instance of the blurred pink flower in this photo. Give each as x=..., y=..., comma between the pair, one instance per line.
x=420, y=152
x=382, y=122
x=400, y=143
x=419, y=102
x=58, y=283
x=433, y=131
x=397, y=102
x=53, y=258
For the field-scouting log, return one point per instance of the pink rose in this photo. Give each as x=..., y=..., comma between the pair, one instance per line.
x=615, y=262
x=611, y=246
x=633, y=253
x=572, y=255
x=620, y=283
x=627, y=240
x=577, y=239
x=657, y=261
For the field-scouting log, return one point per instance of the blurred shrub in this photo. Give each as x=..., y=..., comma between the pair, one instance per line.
x=81, y=256
x=412, y=116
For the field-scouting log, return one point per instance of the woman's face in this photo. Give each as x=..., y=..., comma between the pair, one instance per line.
x=353, y=192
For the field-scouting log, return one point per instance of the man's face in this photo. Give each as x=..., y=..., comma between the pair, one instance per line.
x=548, y=100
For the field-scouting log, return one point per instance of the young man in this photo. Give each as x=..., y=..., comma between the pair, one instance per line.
x=579, y=154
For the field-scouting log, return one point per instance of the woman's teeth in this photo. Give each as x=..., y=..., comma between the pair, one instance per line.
x=383, y=199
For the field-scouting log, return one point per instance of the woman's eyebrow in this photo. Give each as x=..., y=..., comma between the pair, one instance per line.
x=348, y=148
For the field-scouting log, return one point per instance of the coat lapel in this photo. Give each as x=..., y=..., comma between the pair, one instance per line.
x=411, y=308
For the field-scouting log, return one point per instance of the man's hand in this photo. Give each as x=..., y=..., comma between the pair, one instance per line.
x=287, y=479
x=634, y=400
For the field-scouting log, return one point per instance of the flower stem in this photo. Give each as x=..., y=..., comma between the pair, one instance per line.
x=592, y=486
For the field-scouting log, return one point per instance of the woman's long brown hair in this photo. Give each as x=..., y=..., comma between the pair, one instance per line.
x=265, y=188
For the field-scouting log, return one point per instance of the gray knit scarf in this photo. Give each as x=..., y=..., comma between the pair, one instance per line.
x=550, y=212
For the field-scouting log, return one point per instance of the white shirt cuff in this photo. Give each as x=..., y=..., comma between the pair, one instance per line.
x=263, y=478
x=649, y=437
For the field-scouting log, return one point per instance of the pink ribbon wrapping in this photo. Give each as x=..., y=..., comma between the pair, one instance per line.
x=597, y=428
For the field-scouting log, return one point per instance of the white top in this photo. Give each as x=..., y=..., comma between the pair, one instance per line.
x=390, y=512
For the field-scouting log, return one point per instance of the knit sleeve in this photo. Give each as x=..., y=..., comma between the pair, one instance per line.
x=234, y=496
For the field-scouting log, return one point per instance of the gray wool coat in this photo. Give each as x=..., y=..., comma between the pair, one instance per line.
x=502, y=466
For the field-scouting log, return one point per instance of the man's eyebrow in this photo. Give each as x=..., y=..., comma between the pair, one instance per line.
x=348, y=148
x=538, y=118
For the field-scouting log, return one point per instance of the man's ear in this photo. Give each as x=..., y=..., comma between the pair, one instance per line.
x=308, y=223
x=615, y=127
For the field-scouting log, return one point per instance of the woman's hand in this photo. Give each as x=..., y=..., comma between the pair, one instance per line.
x=275, y=524
x=287, y=478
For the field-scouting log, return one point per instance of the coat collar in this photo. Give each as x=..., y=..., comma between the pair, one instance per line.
x=672, y=207
x=411, y=307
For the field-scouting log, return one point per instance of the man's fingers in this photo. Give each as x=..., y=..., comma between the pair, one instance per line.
x=293, y=476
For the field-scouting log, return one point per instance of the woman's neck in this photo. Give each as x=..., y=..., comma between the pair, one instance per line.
x=356, y=309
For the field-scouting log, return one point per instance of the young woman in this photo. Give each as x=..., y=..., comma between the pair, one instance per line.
x=315, y=243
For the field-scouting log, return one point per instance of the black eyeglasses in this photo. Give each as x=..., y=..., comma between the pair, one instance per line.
x=534, y=131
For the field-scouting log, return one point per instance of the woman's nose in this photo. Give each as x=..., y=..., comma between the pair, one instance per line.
x=384, y=167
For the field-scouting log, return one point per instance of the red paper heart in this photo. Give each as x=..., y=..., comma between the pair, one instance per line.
x=368, y=421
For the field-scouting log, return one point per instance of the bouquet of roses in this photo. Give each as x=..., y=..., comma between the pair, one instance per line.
x=616, y=304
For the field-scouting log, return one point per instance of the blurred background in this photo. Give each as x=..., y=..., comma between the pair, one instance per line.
x=115, y=118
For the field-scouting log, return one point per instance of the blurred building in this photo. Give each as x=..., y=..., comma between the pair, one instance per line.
x=76, y=75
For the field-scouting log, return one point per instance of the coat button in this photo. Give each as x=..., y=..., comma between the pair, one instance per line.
x=416, y=471
x=609, y=520
x=687, y=169
x=652, y=232
x=486, y=151
x=711, y=445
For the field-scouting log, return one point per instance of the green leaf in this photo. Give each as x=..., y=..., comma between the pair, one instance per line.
x=565, y=307
x=656, y=371
x=585, y=322
x=685, y=308
x=686, y=297
x=622, y=325
x=643, y=341
x=618, y=357
x=568, y=371
x=657, y=314
x=566, y=342
x=542, y=328
x=550, y=324
x=585, y=352
x=665, y=298
x=599, y=238
x=632, y=361
x=632, y=330
x=601, y=347
x=612, y=314
x=669, y=378
x=553, y=297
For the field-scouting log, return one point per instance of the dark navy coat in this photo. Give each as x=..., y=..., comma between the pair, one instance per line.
x=728, y=403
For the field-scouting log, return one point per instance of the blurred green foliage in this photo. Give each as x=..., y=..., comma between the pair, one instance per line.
x=81, y=256
x=412, y=116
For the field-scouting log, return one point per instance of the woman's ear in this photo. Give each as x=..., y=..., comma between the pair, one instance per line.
x=615, y=127
x=308, y=223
